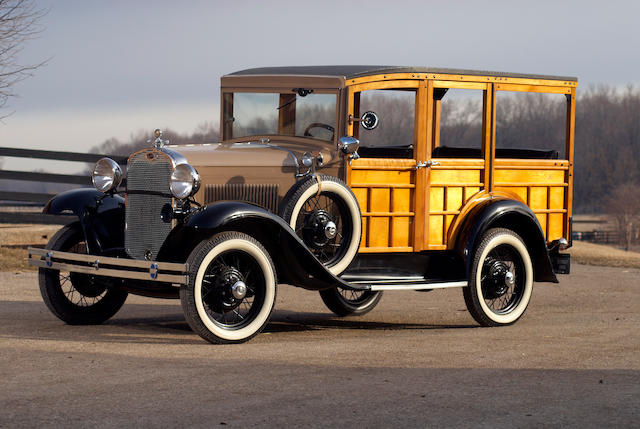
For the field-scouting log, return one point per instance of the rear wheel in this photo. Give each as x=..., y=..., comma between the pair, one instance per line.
x=501, y=279
x=325, y=214
x=346, y=302
x=77, y=299
x=231, y=290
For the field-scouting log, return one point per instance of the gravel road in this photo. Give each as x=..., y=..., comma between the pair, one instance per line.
x=417, y=360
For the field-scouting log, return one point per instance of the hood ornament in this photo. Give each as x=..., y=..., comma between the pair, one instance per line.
x=158, y=143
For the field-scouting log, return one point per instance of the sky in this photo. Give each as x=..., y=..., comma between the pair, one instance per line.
x=117, y=67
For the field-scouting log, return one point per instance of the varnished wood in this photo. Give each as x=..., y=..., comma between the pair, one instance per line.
x=533, y=88
x=395, y=84
x=569, y=148
x=461, y=78
x=383, y=185
x=459, y=84
x=422, y=152
x=435, y=128
x=385, y=188
x=438, y=198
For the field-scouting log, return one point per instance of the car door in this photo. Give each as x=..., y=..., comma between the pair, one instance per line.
x=388, y=179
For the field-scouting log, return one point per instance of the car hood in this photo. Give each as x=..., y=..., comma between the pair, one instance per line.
x=247, y=154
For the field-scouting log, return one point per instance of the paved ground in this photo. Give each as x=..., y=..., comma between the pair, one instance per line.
x=417, y=360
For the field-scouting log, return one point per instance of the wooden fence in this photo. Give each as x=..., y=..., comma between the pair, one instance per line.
x=31, y=199
x=24, y=200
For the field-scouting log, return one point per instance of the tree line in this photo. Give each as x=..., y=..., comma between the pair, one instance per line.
x=607, y=140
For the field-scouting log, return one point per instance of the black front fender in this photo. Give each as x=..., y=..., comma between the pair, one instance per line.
x=513, y=215
x=294, y=262
x=101, y=216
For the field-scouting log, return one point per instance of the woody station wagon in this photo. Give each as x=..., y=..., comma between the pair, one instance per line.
x=347, y=180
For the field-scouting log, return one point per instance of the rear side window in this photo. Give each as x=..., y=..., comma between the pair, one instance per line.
x=530, y=125
x=457, y=123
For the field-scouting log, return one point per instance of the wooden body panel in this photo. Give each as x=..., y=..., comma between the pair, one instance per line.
x=385, y=190
x=441, y=195
x=453, y=184
x=541, y=185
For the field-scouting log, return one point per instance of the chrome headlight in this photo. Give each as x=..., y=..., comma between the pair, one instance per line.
x=185, y=181
x=106, y=175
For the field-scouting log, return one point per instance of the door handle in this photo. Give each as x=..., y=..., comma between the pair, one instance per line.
x=422, y=164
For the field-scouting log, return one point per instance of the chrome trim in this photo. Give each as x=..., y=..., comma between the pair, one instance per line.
x=239, y=289
x=420, y=286
x=116, y=174
x=349, y=146
x=353, y=278
x=509, y=279
x=168, y=272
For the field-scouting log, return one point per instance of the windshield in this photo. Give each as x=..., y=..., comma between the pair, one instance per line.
x=300, y=112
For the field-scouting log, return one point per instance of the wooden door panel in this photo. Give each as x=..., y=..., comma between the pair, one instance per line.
x=385, y=190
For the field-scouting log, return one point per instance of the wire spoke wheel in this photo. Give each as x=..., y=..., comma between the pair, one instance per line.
x=232, y=269
x=501, y=279
x=348, y=302
x=231, y=290
x=324, y=225
x=73, y=297
x=325, y=214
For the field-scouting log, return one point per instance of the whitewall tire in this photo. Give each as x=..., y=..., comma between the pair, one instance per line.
x=311, y=209
x=501, y=279
x=231, y=290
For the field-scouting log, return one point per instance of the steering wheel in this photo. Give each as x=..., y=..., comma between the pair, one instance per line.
x=318, y=125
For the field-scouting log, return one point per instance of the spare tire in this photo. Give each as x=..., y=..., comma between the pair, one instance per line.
x=325, y=214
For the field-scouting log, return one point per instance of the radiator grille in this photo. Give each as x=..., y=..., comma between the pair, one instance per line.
x=262, y=195
x=148, y=192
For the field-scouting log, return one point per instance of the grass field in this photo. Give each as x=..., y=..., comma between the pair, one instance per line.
x=14, y=259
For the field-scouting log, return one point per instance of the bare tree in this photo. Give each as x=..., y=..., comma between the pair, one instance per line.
x=18, y=23
x=624, y=206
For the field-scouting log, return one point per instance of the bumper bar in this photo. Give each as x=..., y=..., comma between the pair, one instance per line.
x=123, y=268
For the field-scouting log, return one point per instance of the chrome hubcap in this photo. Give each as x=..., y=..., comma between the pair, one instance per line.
x=239, y=289
x=330, y=230
x=509, y=279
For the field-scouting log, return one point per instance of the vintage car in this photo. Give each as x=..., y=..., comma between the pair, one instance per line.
x=347, y=180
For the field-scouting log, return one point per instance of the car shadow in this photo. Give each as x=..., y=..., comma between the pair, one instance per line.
x=290, y=321
x=165, y=324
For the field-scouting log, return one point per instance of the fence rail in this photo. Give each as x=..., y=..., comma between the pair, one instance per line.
x=40, y=198
x=37, y=199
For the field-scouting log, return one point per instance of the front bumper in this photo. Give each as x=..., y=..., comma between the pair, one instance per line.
x=166, y=272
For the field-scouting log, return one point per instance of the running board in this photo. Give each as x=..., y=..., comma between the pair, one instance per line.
x=390, y=282
x=418, y=286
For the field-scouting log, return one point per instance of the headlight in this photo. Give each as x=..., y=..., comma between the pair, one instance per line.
x=185, y=181
x=106, y=175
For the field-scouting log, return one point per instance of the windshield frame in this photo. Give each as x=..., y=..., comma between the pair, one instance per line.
x=226, y=133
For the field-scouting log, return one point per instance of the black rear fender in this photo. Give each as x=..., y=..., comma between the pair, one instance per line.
x=101, y=216
x=294, y=262
x=513, y=215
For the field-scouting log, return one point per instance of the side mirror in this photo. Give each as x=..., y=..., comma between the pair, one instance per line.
x=349, y=146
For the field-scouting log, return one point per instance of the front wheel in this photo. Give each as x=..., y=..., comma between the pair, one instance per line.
x=501, y=279
x=75, y=298
x=231, y=290
x=345, y=302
